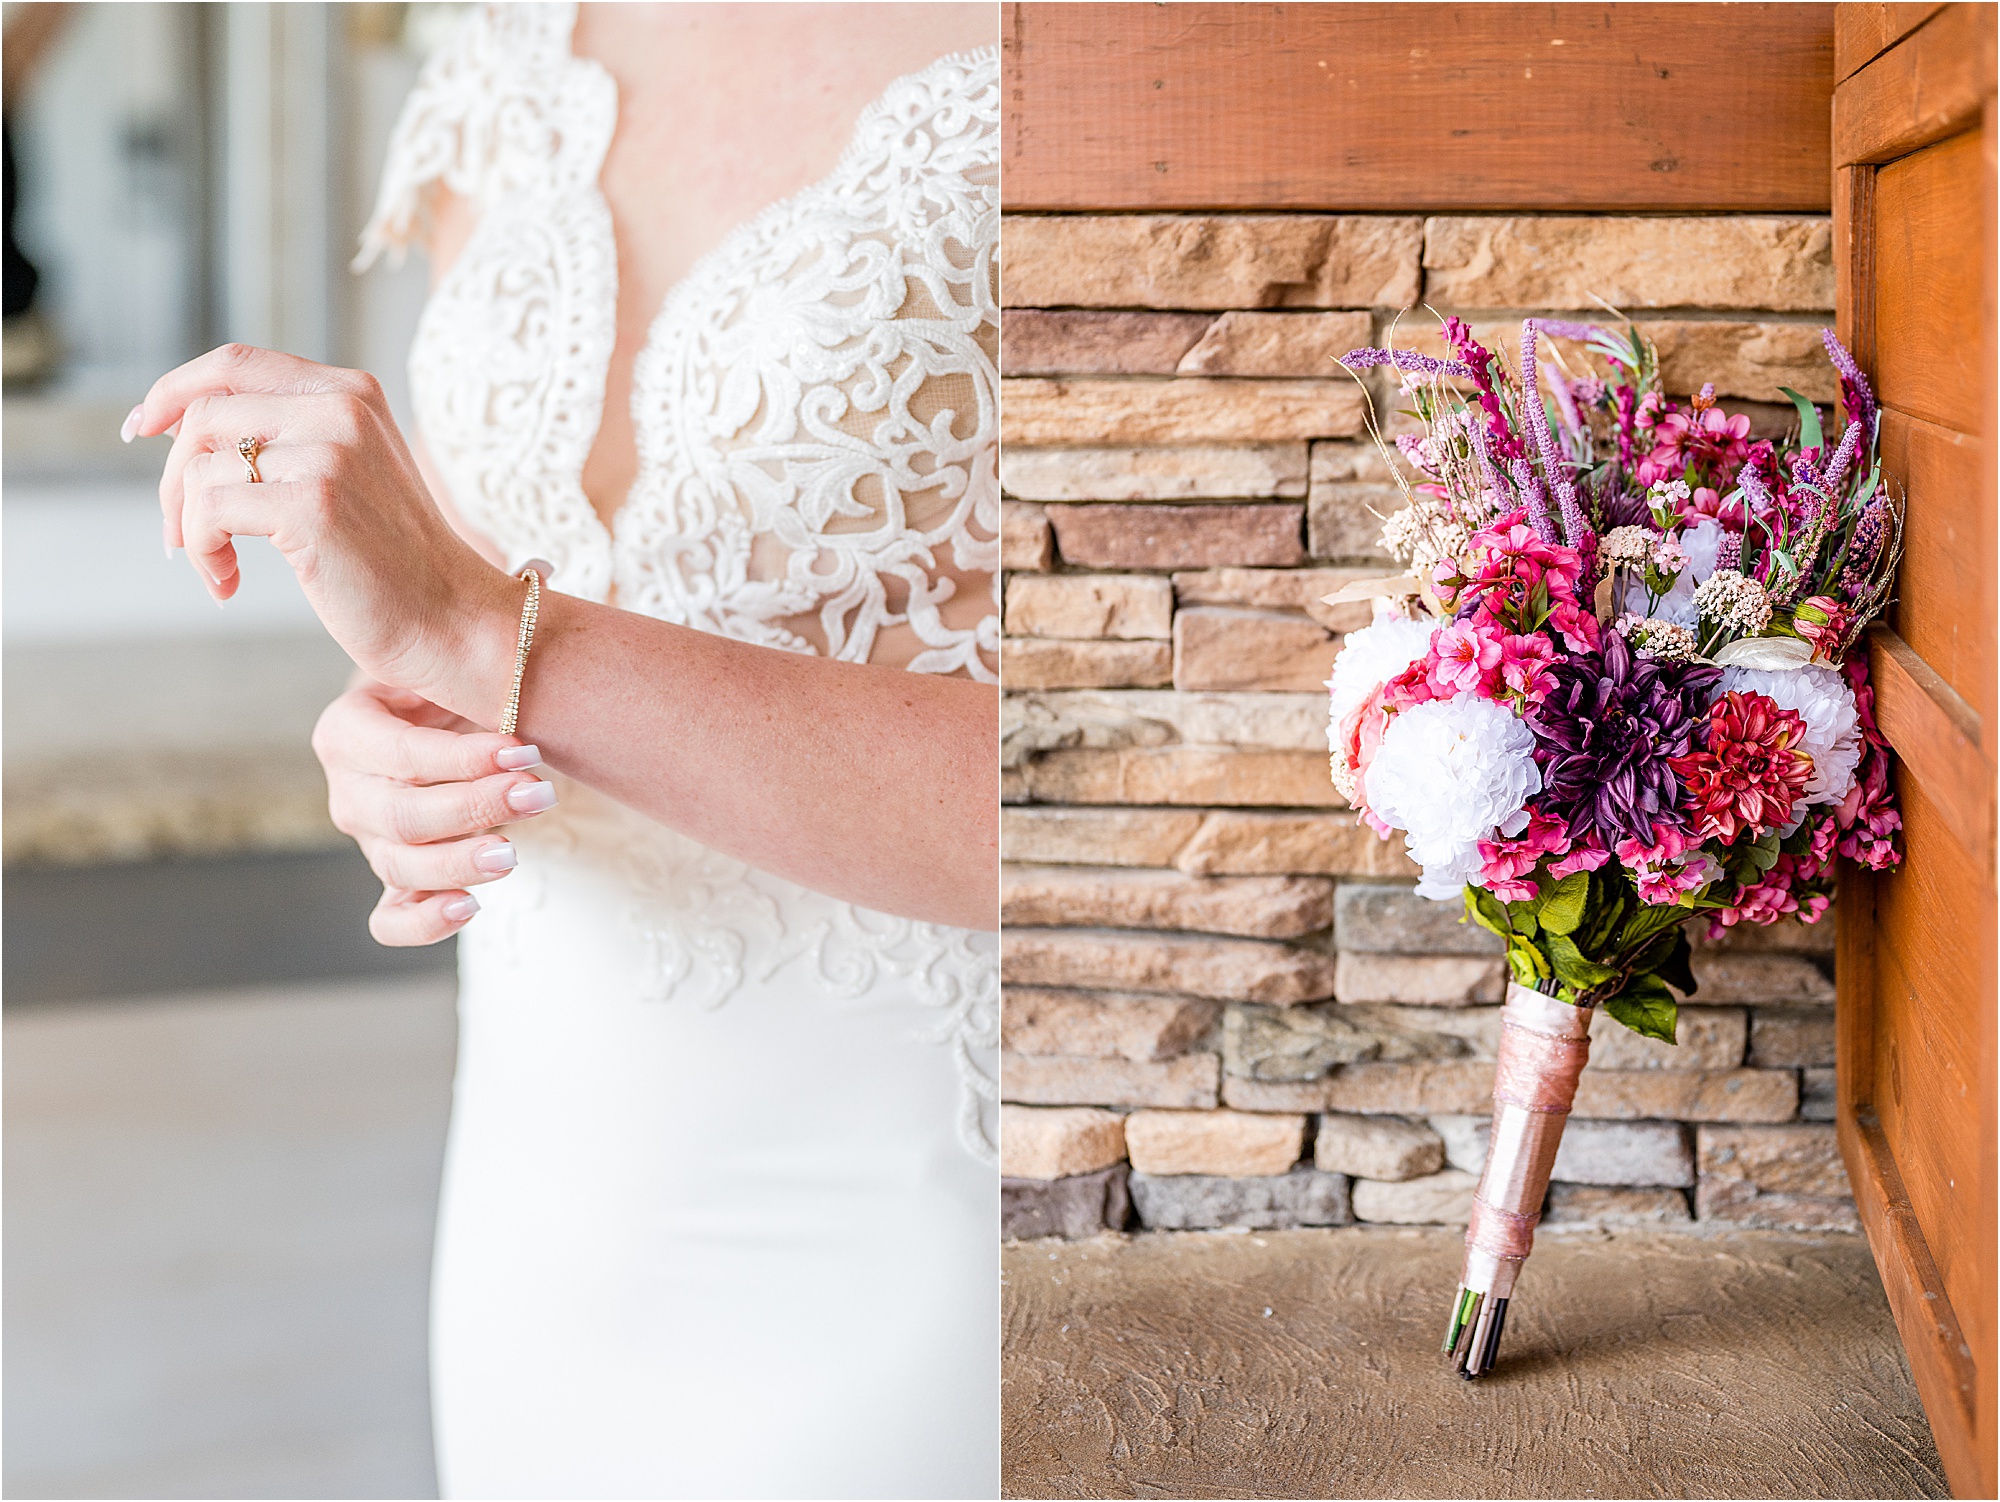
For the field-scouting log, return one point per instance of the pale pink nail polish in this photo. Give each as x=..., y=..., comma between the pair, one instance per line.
x=496, y=858
x=459, y=909
x=518, y=758
x=131, y=428
x=531, y=798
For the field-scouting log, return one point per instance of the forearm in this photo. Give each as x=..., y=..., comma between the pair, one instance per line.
x=871, y=784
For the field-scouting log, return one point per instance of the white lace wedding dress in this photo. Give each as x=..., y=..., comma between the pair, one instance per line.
x=720, y=1211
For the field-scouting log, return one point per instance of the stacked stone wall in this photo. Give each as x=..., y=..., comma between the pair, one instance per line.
x=1225, y=1005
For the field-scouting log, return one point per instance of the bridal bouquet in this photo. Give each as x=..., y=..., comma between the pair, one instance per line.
x=1618, y=689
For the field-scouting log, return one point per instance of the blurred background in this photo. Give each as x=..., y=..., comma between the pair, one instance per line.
x=225, y=1105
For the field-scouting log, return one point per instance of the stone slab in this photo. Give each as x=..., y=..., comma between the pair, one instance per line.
x=1071, y=1208
x=1186, y=1082
x=1195, y=1202
x=1039, y=1142
x=1183, y=472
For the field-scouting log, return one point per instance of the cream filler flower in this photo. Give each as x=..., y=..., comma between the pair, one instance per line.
x=1627, y=547
x=1450, y=773
x=1730, y=599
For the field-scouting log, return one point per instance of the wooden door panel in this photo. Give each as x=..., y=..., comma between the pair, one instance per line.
x=1947, y=555
x=1914, y=236
x=1927, y=287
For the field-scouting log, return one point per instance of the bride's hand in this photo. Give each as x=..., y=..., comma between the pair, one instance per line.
x=341, y=497
x=423, y=795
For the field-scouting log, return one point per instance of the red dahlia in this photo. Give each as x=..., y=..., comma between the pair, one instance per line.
x=1752, y=772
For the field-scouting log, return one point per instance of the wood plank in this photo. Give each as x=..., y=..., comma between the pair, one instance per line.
x=1866, y=31
x=1941, y=1359
x=1929, y=86
x=1632, y=107
x=1853, y=256
x=1927, y=1028
x=1854, y=988
x=1946, y=584
x=1916, y=711
x=1927, y=212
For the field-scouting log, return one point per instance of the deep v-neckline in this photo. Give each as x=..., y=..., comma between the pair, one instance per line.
x=607, y=528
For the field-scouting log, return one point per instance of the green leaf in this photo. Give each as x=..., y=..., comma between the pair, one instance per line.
x=1572, y=969
x=1562, y=905
x=1647, y=1007
x=1677, y=969
x=1488, y=911
x=1526, y=963
x=1811, y=435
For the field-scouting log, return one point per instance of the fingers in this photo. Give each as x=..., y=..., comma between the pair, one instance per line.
x=293, y=434
x=237, y=370
x=376, y=807
x=290, y=513
x=404, y=919
x=365, y=732
x=446, y=866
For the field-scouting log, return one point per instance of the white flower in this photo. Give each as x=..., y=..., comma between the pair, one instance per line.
x=1699, y=541
x=1449, y=773
x=1368, y=659
x=1819, y=696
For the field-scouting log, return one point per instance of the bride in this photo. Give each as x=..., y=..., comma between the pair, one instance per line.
x=711, y=343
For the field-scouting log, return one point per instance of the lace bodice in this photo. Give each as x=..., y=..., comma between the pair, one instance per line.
x=816, y=405
x=817, y=421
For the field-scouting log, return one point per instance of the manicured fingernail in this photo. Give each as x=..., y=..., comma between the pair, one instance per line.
x=131, y=428
x=532, y=798
x=496, y=858
x=459, y=909
x=518, y=758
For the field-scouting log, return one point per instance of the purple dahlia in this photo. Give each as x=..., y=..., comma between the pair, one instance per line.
x=1605, y=737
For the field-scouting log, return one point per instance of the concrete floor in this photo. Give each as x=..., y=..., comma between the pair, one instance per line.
x=218, y=1212
x=1306, y=1364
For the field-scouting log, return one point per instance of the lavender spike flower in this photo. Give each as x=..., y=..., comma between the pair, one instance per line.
x=1864, y=548
x=1475, y=431
x=1729, y=552
x=1554, y=464
x=1561, y=328
x=1836, y=469
x=1538, y=501
x=1406, y=360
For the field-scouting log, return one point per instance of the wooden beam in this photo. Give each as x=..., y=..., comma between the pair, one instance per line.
x=1869, y=30
x=1940, y=1359
x=1930, y=85
x=1937, y=736
x=1365, y=107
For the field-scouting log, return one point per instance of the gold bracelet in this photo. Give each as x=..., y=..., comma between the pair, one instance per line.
x=531, y=609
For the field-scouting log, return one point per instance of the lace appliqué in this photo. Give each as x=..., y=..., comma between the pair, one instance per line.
x=817, y=420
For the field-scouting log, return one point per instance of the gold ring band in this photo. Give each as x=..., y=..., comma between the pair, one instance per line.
x=249, y=449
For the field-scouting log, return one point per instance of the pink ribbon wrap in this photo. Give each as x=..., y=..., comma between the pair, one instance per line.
x=1544, y=1044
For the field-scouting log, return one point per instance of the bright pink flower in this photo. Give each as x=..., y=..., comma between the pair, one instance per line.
x=1705, y=437
x=1587, y=856
x=1463, y=657
x=1825, y=622
x=1524, y=666
x=1510, y=864
x=1576, y=626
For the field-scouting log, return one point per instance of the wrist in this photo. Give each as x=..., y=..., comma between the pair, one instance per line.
x=473, y=676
